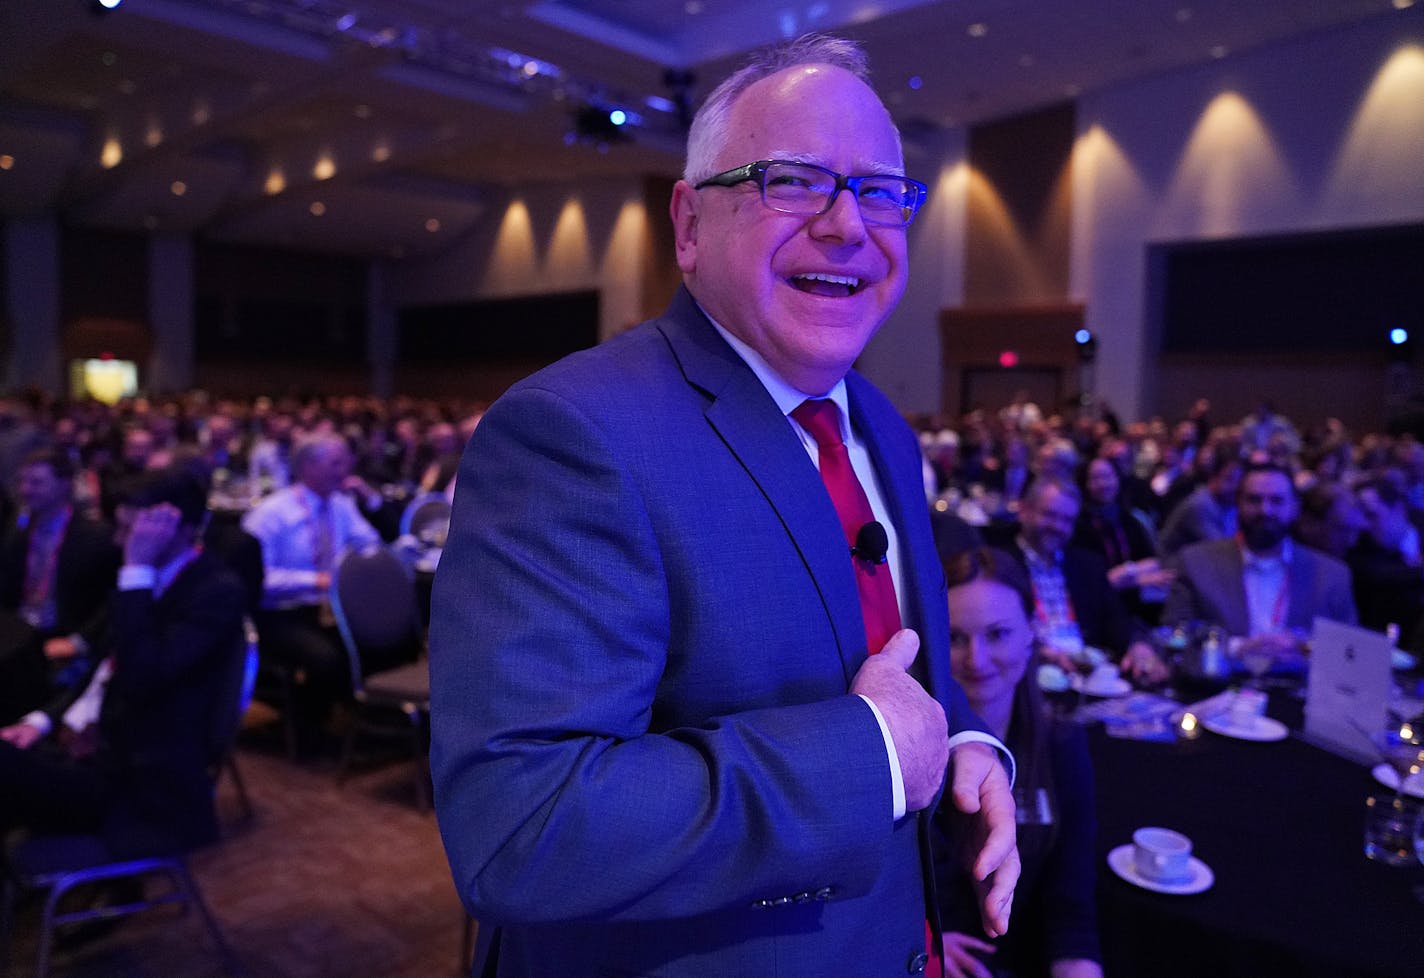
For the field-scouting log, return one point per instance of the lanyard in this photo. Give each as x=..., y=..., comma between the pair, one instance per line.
x=39, y=580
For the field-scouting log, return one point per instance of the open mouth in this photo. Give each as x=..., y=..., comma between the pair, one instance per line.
x=820, y=283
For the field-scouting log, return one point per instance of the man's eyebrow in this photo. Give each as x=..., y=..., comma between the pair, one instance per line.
x=872, y=167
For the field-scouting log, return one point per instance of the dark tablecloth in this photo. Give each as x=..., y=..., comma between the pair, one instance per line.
x=1281, y=825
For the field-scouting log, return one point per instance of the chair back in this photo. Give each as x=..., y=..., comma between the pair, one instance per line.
x=235, y=694
x=373, y=601
x=427, y=518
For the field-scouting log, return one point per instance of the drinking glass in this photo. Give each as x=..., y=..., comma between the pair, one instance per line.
x=1258, y=659
x=1390, y=822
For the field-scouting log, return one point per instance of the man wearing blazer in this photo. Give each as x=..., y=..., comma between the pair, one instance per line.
x=660, y=746
x=57, y=572
x=1260, y=584
x=125, y=753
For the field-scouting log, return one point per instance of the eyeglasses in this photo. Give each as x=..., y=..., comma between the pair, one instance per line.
x=807, y=190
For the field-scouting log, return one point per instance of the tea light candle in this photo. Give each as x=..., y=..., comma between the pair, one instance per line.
x=1188, y=726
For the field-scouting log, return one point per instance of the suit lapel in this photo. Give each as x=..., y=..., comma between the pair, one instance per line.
x=760, y=438
x=1234, y=599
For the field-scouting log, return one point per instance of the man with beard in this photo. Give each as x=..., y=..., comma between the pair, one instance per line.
x=1260, y=584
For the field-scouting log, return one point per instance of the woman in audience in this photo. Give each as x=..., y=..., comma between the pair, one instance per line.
x=992, y=655
x=1108, y=527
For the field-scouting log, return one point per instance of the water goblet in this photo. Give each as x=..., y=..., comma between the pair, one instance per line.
x=1257, y=657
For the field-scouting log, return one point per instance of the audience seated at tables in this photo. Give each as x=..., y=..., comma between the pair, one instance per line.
x=1260, y=584
x=125, y=753
x=1074, y=605
x=303, y=528
x=992, y=655
x=56, y=573
x=1209, y=513
x=270, y=461
x=1121, y=537
x=1386, y=562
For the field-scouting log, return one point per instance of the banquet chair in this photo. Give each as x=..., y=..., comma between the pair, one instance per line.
x=427, y=518
x=373, y=601
x=60, y=864
x=226, y=762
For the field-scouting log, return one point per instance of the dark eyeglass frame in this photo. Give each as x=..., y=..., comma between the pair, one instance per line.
x=757, y=172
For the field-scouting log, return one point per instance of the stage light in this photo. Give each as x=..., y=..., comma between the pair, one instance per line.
x=1087, y=345
x=1398, y=337
x=100, y=7
x=1009, y=359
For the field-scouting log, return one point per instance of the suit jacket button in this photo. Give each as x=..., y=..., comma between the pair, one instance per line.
x=918, y=960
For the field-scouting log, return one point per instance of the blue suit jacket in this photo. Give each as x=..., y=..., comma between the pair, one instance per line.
x=645, y=625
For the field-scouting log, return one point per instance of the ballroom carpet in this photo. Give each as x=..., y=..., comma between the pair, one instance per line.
x=346, y=882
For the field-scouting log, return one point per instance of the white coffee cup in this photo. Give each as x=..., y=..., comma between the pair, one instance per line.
x=1246, y=706
x=1103, y=679
x=1161, y=855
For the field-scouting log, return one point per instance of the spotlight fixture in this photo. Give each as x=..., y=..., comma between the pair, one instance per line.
x=596, y=124
x=1087, y=345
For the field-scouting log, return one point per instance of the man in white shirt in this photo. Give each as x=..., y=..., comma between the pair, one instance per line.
x=303, y=529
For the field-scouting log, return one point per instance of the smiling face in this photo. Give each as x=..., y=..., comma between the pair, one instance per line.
x=990, y=642
x=806, y=293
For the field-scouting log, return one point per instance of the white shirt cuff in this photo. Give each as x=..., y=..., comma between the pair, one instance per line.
x=39, y=719
x=137, y=577
x=979, y=737
x=897, y=780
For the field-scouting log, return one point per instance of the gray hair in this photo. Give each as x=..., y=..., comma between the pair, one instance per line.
x=709, y=130
x=310, y=446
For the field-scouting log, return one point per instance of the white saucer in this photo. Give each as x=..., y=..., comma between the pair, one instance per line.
x=1262, y=729
x=1121, y=687
x=1413, y=785
x=1201, y=878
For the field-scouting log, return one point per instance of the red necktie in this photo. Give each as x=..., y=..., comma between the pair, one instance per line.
x=821, y=419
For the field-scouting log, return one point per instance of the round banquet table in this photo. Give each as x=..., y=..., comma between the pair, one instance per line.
x=1281, y=826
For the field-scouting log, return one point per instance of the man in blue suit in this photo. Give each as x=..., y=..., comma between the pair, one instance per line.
x=661, y=744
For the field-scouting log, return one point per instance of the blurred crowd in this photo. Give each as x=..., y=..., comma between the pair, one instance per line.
x=1149, y=489
x=400, y=445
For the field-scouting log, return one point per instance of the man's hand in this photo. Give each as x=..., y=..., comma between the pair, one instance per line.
x=151, y=533
x=60, y=647
x=21, y=735
x=987, y=835
x=1143, y=664
x=915, y=719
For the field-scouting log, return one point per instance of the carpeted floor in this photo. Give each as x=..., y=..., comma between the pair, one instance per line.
x=345, y=882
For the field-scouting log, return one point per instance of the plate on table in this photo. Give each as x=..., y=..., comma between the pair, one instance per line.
x=1413, y=785
x=1259, y=729
x=1118, y=687
x=1200, y=879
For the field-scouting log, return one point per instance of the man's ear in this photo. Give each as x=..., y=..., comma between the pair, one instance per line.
x=683, y=209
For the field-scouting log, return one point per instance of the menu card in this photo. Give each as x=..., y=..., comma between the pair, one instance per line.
x=1348, y=688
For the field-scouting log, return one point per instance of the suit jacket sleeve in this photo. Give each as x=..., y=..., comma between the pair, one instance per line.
x=572, y=781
